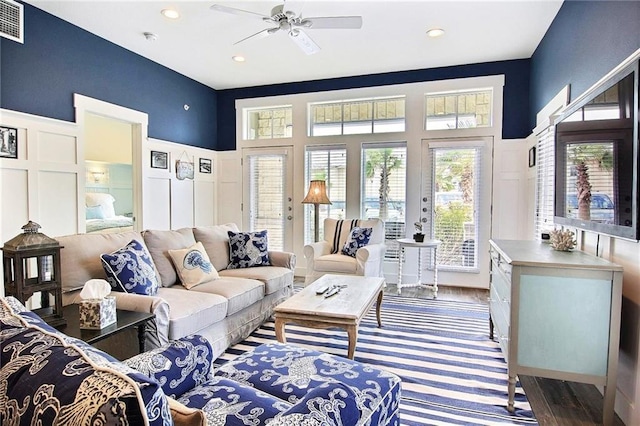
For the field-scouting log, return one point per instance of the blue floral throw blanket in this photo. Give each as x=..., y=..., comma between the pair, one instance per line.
x=49, y=378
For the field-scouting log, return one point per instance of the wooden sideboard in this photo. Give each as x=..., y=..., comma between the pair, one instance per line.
x=556, y=315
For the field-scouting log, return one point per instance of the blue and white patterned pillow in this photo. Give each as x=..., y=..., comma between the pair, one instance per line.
x=359, y=237
x=247, y=249
x=130, y=269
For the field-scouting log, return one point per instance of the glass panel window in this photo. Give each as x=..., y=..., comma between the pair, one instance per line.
x=268, y=123
x=328, y=164
x=458, y=110
x=363, y=116
x=384, y=179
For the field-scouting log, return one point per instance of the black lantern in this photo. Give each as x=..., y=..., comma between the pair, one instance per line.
x=32, y=265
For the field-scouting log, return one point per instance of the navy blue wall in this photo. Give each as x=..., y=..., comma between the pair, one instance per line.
x=515, y=108
x=59, y=59
x=586, y=40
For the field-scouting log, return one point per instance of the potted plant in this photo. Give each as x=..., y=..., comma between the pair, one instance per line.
x=418, y=237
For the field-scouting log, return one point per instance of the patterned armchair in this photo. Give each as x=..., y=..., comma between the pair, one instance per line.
x=327, y=257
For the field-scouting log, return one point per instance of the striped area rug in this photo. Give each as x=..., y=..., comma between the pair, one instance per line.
x=452, y=374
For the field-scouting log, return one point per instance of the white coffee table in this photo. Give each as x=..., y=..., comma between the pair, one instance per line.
x=344, y=310
x=427, y=244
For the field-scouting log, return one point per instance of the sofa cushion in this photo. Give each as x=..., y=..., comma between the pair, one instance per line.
x=193, y=265
x=248, y=249
x=274, y=277
x=80, y=257
x=291, y=372
x=229, y=402
x=338, y=263
x=358, y=237
x=240, y=292
x=327, y=404
x=159, y=243
x=190, y=312
x=215, y=240
x=130, y=269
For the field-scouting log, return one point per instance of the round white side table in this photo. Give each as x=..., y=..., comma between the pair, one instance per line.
x=426, y=244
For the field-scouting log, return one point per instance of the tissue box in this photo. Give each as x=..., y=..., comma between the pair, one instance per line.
x=97, y=313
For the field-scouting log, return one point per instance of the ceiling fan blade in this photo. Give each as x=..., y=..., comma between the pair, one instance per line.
x=304, y=42
x=334, y=22
x=259, y=35
x=240, y=12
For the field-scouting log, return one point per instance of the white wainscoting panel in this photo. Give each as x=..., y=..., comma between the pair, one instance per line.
x=510, y=199
x=15, y=202
x=230, y=187
x=57, y=148
x=204, y=203
x=181, y=203
x=57, y=202
x=157, y=199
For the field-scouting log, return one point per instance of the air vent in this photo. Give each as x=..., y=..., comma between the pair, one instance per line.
x=11, y=20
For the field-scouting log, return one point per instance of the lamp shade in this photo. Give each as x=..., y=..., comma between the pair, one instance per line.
x=317, y=193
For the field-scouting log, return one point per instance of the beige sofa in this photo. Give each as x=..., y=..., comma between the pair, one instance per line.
x=224, y=311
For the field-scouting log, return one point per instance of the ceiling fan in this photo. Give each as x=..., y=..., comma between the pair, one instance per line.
x=292, y=25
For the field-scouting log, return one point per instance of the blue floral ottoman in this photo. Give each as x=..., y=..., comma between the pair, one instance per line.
x=274, y=384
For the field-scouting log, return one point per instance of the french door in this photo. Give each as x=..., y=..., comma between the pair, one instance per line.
x=456, y=206
x=267, y=194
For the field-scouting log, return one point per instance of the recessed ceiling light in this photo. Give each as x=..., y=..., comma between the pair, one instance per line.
x=435, y=32
x=238, y=58
x=170, y=13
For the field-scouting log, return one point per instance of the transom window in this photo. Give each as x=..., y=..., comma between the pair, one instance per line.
x=458, y=110
x=268, y=123
x=358, y=116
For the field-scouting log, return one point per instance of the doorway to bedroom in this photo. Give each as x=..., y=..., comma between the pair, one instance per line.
x=134, y=125
x=109, y=182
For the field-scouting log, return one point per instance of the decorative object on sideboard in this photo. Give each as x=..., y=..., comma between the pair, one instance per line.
x=8, y=142
x=418, y=237
x=562, y=240
x=31, y=264
x=317, y=195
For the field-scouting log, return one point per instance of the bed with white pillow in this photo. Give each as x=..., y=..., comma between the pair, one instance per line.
x=101, y=216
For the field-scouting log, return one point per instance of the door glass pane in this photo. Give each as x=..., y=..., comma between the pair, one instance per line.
x=384, y=176
x=455, y=199
x=267, y=194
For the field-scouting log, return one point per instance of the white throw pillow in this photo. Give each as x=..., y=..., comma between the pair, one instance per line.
x=193, y=265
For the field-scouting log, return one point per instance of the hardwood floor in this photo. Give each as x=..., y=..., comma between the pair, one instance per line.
x=554, y=402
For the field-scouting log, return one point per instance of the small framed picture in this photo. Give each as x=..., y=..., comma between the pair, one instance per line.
x=532, y=156
x=205, y=165
x=159, y=160
x=8, y=142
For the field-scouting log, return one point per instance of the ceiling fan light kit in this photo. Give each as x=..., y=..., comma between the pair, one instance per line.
x=292, y=24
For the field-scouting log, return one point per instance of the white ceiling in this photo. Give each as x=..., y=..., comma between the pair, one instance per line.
x=200, y=43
